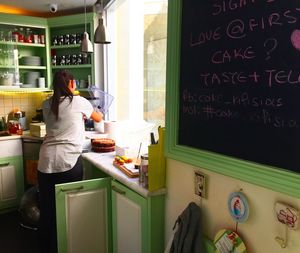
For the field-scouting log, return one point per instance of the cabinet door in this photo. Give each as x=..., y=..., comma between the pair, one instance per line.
x=83, y=216
x=11, y=182
x=129, y=218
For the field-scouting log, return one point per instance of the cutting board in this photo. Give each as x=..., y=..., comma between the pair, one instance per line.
x=127, y=168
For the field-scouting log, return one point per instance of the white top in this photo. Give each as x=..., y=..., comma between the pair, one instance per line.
x=64, y=138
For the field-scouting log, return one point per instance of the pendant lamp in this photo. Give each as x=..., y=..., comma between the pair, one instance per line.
x=100, y=36
x=86, y=44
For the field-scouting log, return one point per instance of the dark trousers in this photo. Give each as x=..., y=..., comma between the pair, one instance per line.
x=47, y=222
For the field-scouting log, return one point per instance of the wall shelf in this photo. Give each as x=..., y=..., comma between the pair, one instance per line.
x=22, y=90
x=66, y=46
x=81, y=66
x=18, y=44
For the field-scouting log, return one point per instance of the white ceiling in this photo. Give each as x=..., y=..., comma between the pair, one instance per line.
x=43, y=5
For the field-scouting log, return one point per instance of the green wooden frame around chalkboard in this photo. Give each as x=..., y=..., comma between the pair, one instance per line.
x=276, y=179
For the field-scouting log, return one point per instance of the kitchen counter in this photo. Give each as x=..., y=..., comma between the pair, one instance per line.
x=104, y=161
x=26, y=135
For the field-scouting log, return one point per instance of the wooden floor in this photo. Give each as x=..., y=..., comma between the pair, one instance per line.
x=15, y=238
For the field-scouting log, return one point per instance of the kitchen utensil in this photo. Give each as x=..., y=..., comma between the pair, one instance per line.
x=100, y=99
x=31, y=60
x=31, y=78
x=7, y=79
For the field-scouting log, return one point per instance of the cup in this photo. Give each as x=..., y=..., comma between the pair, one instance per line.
x=36, y=38
x=82, y=84
x=41, y=82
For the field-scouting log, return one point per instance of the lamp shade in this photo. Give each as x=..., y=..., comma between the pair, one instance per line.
x=100, y=36
x=86, y=44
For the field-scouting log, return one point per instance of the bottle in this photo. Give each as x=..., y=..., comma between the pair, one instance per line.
x=28, y=35
x=15, y=35
x=143, y=174
x=21, y=35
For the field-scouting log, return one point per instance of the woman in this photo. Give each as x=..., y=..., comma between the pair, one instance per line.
x=60, y=153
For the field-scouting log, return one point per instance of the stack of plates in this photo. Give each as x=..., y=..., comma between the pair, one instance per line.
x=31, y=60
x=31, y=79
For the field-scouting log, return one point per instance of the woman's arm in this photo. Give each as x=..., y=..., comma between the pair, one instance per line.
x=97, y=116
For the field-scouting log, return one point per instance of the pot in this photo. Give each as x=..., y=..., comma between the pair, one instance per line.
x=7, y=79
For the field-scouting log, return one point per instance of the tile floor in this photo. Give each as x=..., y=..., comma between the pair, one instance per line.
x=13, y=237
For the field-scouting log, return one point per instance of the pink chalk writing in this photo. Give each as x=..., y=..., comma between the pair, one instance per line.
x=227, y=56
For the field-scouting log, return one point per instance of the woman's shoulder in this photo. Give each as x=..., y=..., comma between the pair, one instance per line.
x=79, y=98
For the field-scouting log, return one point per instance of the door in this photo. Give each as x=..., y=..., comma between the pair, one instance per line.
x=84, y=216
x=129, y=218
x=11, y=182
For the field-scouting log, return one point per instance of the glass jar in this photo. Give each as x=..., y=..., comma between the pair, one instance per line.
x=28, y=35
x=21, y=34
x=143, y=172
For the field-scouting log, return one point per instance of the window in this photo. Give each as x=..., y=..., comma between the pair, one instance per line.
x=136, y=59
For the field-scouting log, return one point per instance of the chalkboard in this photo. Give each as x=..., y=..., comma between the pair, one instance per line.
x=239, y=88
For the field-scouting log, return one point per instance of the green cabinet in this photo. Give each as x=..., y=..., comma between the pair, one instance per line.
x=24, y=51
x=138, y=222
x=65, y=37
x=11, y=182
x=83, y=216
x=128, y=221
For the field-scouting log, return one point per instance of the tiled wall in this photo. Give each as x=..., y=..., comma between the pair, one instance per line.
x=27, y=102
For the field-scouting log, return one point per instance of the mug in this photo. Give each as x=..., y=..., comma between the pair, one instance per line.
x=41, y=82
x=82, y=84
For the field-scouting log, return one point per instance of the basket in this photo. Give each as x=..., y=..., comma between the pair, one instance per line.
x=100, y=99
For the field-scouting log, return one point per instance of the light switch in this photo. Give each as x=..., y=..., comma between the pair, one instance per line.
x=287, y=214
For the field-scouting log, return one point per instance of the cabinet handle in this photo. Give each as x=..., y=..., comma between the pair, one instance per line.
x=4, y=164
x=118, y=190
x=72, y=189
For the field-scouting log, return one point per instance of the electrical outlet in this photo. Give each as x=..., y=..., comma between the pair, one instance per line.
x=200, y=184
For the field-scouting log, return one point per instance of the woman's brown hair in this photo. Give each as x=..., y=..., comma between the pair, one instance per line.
x=61, y=90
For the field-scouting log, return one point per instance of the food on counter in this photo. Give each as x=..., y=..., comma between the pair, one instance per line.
x=103, y=145
x=122, y=159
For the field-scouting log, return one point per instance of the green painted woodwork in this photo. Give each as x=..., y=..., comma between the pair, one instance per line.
x=17, y=162
x=276, y=179
x=73, y=24
x=29, y=49
x=50, y=27
x=91, y=172
x=61, y=191
x=152, y=212
x=22, y=20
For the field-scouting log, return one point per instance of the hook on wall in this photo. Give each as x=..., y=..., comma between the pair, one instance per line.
x=289, y=217
x=282, y=241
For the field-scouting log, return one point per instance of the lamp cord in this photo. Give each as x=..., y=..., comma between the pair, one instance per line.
x=85, y=15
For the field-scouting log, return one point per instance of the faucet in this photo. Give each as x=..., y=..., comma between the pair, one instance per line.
x=5, y=121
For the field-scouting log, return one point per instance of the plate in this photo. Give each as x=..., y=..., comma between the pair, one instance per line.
x=28, y=86
x=238, y=206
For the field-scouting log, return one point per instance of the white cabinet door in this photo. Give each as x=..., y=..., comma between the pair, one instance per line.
x=8, y=186
x=86, y=221
x=129, y=220
x=83, y=220
x=129, y=226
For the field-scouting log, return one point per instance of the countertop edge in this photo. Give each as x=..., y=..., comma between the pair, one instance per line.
x=103, y=161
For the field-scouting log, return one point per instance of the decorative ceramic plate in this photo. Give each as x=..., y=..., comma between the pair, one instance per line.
x=228, y=241
x=238, y=206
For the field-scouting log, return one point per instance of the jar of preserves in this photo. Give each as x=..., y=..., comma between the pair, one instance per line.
x=143, y=173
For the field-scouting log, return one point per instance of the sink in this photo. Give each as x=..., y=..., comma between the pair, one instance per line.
x=4, y=133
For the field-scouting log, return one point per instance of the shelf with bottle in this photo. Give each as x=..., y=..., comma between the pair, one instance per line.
x=65, y=39
x=21, y=44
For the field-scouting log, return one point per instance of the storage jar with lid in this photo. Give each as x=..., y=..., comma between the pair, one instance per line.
x=143, y=173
